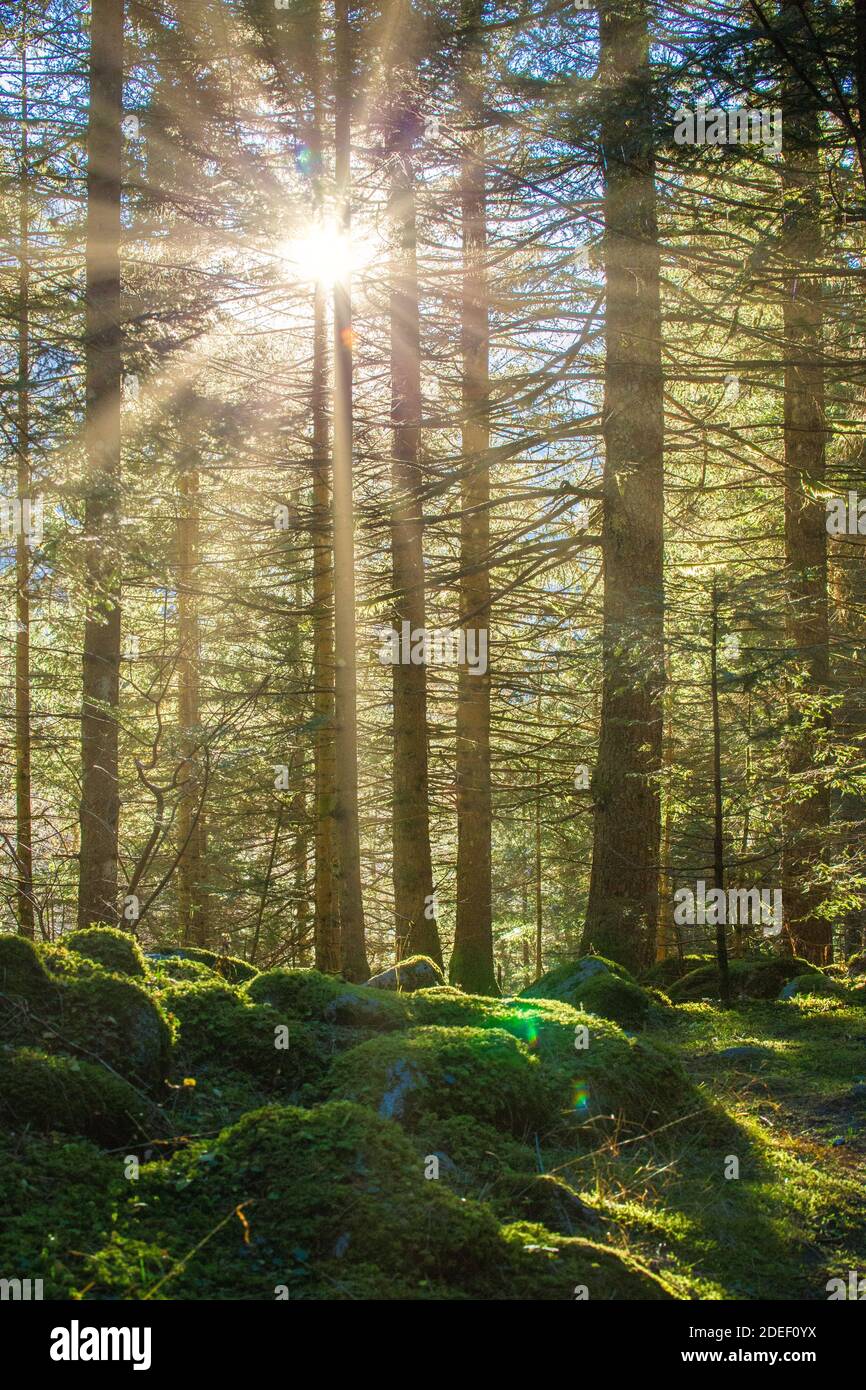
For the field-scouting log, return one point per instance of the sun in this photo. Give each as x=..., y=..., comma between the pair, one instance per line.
x=325, y=254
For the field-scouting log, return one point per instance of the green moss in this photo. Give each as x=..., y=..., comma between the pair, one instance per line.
x=756, y=977
x=609, y=997
x=309, y=994
x=548, y=1198
x=433, y=1072
x=116, y=950
x=22, y=973
x=118, y=1022
x=99, y=1017
x=600, y=987
x=565, y=980
x=664, y=972
x=596, y=1071
x=231, y=968
x=813, y=984
x=856, y=964
x=57, y=1198
x=49, y=1093
x=475, y=1159
x=161, y=971
x=564, y=1268
x=411, y=973
x=335, y=1206
x=220, y=1029
x=662, y=1000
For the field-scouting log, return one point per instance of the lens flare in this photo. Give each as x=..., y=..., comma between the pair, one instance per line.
x=581, y=1096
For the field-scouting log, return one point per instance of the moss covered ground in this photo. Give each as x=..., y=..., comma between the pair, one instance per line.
x=174, y=1133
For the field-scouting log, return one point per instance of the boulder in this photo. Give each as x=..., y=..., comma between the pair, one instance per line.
x=753, y=977
x=86, y=1012
x=415, y=972
x=56, y=1093
x=332, y=1203
x=220, y=1029
x=116, y=950
x=812, y=984
x=431, y=1072
x=310, y=994
x=231, y=968
x=598, y=986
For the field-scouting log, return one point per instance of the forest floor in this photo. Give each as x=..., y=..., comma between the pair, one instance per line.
x=183, y=1126
x=794, y=1083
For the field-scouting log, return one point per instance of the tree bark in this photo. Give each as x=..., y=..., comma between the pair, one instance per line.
x=353, y=951
x=806, y=617
x=415, y=919
x=327, y=919
x=100, y=803
x=23, y=789
x=623, y=895
x=471, y=964
x=665, y=933
x=191, y=821
x=718, y=821
x=326, y=924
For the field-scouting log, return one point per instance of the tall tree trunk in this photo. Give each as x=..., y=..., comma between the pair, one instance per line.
x=539, y=900
x=327, y=920
x=100, y=804
x=415, y=920
x=23, y=798
x=623, y=895
x=806, y=619
x=471, y=964
x=326, y=924
x=191, y=822
x=848, y=587
x=718, y=821
x=353, y=950
x=860, y=82
x=665, y=935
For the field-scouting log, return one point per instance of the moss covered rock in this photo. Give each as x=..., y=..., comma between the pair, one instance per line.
x=50, y=1093
x=563, y=980
x=99, y=1017
x=664, y=972
x=309, y=994
x=166, y=968
x=597, y=985
x=415, y=972
x=58, y=1196
x=22, y=973
x=118, y=1022
x=475, y=1159
x=754, y=977
x=221, y=1029
x=332, y=1203
x=116, y=950
x=231, y=968
x=812, y=984
x=432, y=1072
x=856, y=964
x=595, y=1068
x=547, y=1198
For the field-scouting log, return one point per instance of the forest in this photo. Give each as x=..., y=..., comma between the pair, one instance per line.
x=432, y=716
